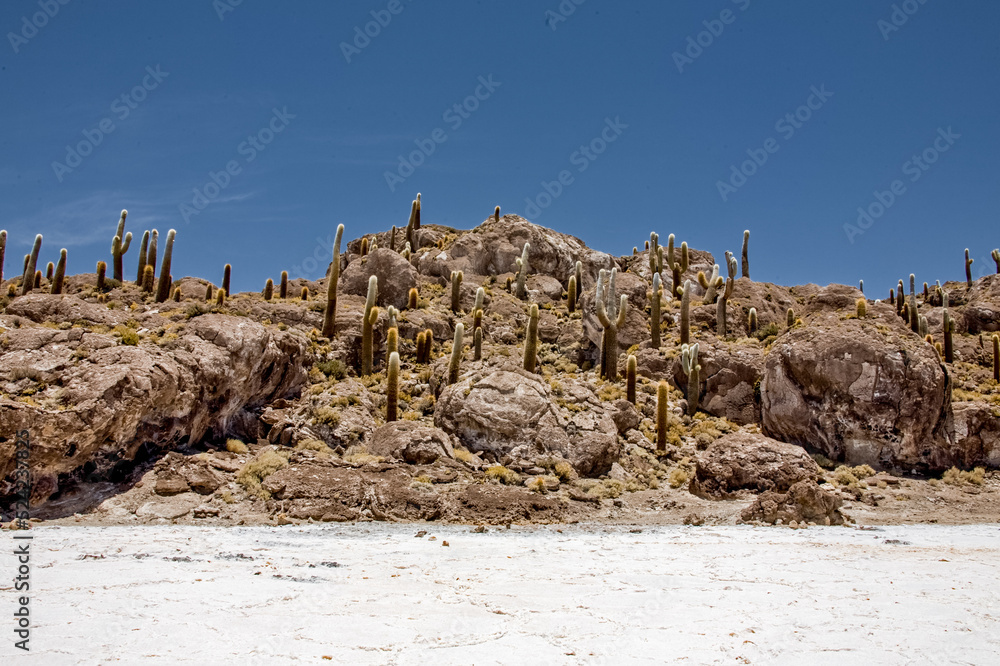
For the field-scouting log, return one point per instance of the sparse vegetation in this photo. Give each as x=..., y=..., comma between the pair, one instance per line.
x=252, y=475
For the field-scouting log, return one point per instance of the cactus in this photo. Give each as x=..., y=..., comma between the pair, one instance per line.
x=392, y=388
x=220, y=297
x=28, y=279
x=226, y=272
x=996, y=357
x=38, y=279
x=406, y=252
x=923, y=330
x=163, y=287
x=416, y=220
x=392, y=340
x=712, y=285
x=147, y=279
x=119, y=246
x=143, y=249
x=689, y=363
x=57, y=281
x=630, y=368
x=578, y=272
x=477, y=341
x=102, y=269
x=927, y=293
x=496, y=214
x=420, y=342
x=661, y=416
x=3, y=251
x=411, y=299
x=177, y=294
x=49, y=270
x=368, y=327
x=655, y=256
x=208, y=292
x=892, y=297
x=677, y=268
x=24, y=268
x=654, y=312
x=790, y=316
x=364, y=246
x=456, y=353
x=531, y=339
x=391, y=313
x=305, y=293
x=268, y=289
x=968, y=269
x=411, y=231
x=521, y=263
x=480, y=300
x=720, y=307
x=995, y=254
x=154, y=237
x=330, y=313
x=861, y=286
x=611, y=318
x=392, y=238
x=861, y=307
x=571, y=294
x=686, y=313
x=948, y=325
x=456, y=290
x=283, y=289
x=900, y=300
x=914, y=318
x=746, y=255
x=752, y=321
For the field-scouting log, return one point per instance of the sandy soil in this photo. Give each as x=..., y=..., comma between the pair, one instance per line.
x=375, y=594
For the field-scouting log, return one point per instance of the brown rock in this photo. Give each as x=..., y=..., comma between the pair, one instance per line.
x=748, y=461
x=395, y=277
x=411, y=442
x=804, y=501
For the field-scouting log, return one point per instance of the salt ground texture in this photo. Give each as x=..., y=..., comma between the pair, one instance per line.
x=375, y=594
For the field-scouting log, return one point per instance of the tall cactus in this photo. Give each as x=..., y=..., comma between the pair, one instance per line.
x=996, y=357
x=571, y=294
x=391, y=340
x=746, y=254
x=686, y=312
x=496, y=214
x=411, y=227
x=654, y=312
x=790, y=316
x=28, y=280
x=456, y=290
x=143, y=248
x=712, y=286
x=948, y=325
x=861, y=308
x=57, y=281
x=676, y=267
x=655, y=254
x=208, y=292
x=268, y=289
x=416, y=220
x=283, y=289
x=477, y=344
x=50, y=269
x=456, y=353
x=163, y=287
x=368, y=327
x=154, y=237
x=392, y=388
x=630, y=370
x=521, y=263
x=661, y=416
x=226, y=274
x=330, y=314
x=119, y=246
x=752, y=321
x=147, y=279
x=995, y=254
x=578, y=272
x=720, y=308
x=3, y=251
x=689, y=363
x=102, y=269
x=411, y=298
x=612, y=317
x=968, y=269
x=531, y=339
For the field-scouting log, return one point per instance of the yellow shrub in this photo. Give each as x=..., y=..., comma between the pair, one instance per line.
x=236, y=446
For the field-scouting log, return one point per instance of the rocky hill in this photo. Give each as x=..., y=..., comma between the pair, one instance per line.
x=574, y=392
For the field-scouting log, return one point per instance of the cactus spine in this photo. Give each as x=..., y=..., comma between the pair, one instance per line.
x=283, y=289
x=163, y=287
x=752, y=321
x=368, y=327
x=996, y=357
x=968, y=269
x=689, y=363
x=746, y=254
x=686, y=313
x=531, y=339
x=612, y=318
x=57, y=281
x=268, y=289
x=119, y=246
x=521, y=263
x=456, y=353
x=226, y=273
x=102, y=269
x=330, y=314
x=28, y=280
x=630, y=369
x=392, y=388
x=456, y=290
x=143, y=249
x=661, y=416
x=654, y=312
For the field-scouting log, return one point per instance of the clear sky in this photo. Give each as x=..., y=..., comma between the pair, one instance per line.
x=644, y=108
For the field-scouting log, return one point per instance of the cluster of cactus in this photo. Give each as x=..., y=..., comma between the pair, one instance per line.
x=521, y=264
x=368, y=327
x=531, y=339
x=612, y=317
x=477, y=324
x=689, y=364
x=330, y=313
x=655, y=253
x=119, y=246
x=28, y=279
x=676, y=267
x=424, y=344
x=710, y=285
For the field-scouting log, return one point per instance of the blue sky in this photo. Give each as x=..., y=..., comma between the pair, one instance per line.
x=641, y=136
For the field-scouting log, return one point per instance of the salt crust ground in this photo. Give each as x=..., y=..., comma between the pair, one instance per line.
x=375, y=594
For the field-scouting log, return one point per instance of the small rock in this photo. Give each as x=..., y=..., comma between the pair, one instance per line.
x=478, y=529
x=445, y=543
x=421, y=533
x=204, y=511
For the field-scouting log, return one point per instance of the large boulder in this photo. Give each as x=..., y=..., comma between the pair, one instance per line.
x=395, y=277
x=747, y=461
x=805, y=501
x=975, y=430
x=410, y=442
x=512, y=412
x=97, y=402
x=860, y=391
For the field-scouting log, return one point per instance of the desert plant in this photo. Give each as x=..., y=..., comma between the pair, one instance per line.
x=746, y=255
x=500, y=474
x=456, y=290
x=578, y=273
x=923, y=329
x=364, y=246
x=163, y=286
x=330, y=313
x=686, y=313
x=654, y=312
x=101, y=270
x=220, y=298
x=531, y=339
x=143, y=249
x=456, y=353
x=411, y=299
x=119, y=246
x=305, y=293
x=752, y=321
x=996, y=357
x=861, y=308
x=790, y=316
x=712, y=285
x=571, y=294
x=689, y=363
x=892, y=296
x=268, y=289
x=253, y=473
x=477, y=343
x=177, y=294
x=38, y=279
x=208, y=292
x=154, y=238
x=283, y=289
x=496, y=214
x=861, y=286
x=995, y=254
x=412, y=226
x=968, y=269
x=368, y=327
x=661, y=415
x=392, y=387
x=28, y=279
x=236, y=446
x=147, y=279
x=60, y=275
x=420, y=206
x=612, y=317
x=49, y=270
x=948, y=325
x=226, y=274
x=3, y=251
x=521, y=263
x=677, y=268
x=630, y=370
x=391, y=340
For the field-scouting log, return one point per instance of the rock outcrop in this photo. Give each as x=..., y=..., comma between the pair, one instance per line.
x=744, y=461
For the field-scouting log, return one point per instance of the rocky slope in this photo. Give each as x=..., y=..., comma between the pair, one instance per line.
x=189, y=408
